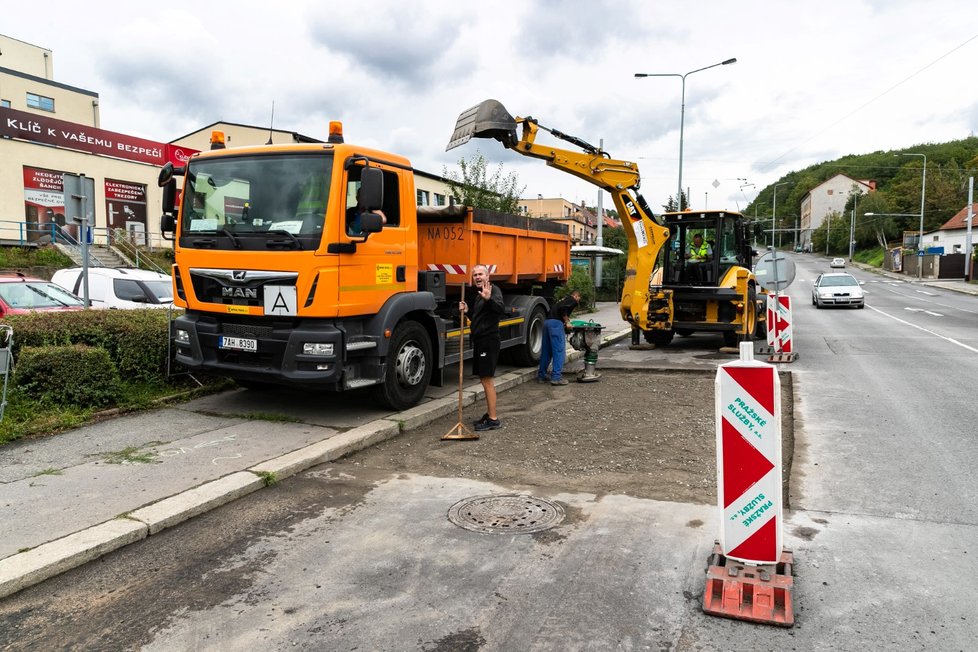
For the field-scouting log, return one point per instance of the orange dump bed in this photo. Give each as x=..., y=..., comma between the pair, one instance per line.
x=518, y=250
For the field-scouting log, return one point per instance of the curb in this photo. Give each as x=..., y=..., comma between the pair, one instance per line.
x=22, y=570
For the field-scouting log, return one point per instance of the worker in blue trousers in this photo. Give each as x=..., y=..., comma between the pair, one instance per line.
x=554, y=343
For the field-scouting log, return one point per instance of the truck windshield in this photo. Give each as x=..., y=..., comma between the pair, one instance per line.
x=265, y=202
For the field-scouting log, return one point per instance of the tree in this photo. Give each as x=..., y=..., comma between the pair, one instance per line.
x=670, y=205
x=473, y=185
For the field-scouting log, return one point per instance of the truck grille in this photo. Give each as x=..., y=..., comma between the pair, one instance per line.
x=244, y=330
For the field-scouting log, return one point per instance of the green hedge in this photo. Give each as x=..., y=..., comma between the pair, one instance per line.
x=67, y=375
x=135, y=340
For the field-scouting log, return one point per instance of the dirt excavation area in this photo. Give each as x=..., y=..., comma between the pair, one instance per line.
x=643, y=433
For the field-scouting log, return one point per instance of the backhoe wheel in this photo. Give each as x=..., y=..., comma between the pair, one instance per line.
x=408, y=368
x=733, y=338
x=527, y=354
x=659, y=338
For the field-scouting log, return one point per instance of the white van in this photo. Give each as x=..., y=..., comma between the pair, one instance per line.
x=119, y=288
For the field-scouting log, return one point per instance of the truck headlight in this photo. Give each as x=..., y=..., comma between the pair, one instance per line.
x=182, y=336
x=317, y=348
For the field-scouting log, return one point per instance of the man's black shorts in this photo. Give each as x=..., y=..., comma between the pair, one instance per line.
x=485, y=353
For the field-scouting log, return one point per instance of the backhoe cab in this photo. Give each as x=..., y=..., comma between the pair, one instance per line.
x=669, y=288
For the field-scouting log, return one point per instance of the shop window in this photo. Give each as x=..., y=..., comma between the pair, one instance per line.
x=35, y=101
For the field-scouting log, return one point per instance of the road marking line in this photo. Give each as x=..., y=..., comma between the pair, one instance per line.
x=936, y=314
x=930, y=294
x=943, y=337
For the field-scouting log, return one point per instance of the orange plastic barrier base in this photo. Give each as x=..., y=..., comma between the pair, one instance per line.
x=760, y=594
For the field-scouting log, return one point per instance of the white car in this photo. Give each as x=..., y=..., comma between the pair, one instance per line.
x=119, y=288
x=837, y=289
x=838, y=262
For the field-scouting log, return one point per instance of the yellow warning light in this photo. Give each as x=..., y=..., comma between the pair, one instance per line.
x=217, y=139
x=335, y=132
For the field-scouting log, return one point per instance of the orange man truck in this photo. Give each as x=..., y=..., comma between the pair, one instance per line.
x=310, y=265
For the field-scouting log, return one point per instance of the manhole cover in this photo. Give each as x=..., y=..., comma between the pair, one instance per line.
x=513, y=514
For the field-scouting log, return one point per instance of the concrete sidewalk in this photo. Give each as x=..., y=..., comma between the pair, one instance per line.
x=70, y=498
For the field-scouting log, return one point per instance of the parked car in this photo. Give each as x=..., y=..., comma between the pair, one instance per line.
x=21, y=294
x=837, y=289
x=119, y=288
x=838, y=262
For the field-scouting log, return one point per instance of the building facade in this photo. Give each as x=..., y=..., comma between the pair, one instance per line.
x=581, y=222
x=828, y=198
x=48, y=129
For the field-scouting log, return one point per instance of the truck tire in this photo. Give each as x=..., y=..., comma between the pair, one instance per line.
x=408, y=369
x=659, y=338
x=527, y=354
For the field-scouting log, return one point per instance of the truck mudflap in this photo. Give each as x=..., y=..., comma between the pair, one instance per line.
x=309, y=352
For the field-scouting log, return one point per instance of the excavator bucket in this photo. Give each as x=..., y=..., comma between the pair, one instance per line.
x=490, y=119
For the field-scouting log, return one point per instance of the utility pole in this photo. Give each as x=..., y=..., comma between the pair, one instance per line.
x=967, y=238
x=600, y=239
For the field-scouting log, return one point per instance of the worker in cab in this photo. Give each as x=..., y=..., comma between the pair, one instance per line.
x=353, y=214
x=699, y=251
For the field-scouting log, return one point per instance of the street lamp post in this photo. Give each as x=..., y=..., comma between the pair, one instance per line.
x=920, y=238
x=682, y=117
x=774, y=210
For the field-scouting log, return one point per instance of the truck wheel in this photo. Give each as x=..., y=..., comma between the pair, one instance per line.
x=408, y=369
x=527, y=354
x=659, y=338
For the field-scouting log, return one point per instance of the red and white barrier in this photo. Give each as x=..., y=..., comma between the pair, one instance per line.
x=748, y=431
x=779, y=323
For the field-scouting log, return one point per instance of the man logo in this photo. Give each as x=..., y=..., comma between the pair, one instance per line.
x=239, y=274
x=239, y=293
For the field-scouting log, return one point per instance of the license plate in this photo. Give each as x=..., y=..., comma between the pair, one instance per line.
x=238, y=344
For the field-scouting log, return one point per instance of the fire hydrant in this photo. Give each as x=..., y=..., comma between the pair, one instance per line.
x=586, y=336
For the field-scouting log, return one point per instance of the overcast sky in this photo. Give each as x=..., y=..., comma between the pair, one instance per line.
x=812, y=81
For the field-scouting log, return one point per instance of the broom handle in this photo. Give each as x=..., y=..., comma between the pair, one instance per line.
x=461, y=352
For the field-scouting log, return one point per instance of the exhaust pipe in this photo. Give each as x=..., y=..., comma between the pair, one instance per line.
x=490, y=119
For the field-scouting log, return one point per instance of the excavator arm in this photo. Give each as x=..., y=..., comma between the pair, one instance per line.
x=644, y=307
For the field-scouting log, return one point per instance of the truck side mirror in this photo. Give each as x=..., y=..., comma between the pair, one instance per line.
x=372, y=188
x=371, y=223
x=170, y=197
x=168, y=223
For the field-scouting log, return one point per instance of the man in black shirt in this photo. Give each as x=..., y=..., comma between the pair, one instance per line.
x=554, y=344
x=486, y=308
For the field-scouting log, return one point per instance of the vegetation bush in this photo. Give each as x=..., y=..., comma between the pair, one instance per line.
x=582, y=282
x=28, y=257
x=67, y=375
x=135, y=340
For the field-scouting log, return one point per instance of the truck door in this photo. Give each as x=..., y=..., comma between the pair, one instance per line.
x=379, y=267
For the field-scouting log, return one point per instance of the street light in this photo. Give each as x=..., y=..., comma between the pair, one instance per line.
x=920, y=238
x=774, y=210
x=682, y=117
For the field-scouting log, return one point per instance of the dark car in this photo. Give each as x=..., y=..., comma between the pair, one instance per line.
x=21, y=294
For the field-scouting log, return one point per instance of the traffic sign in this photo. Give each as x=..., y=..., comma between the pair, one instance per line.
x=774, y=271
x=779, y=323
x=748, y=433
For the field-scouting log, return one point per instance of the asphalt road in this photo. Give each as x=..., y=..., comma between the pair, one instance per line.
x=346, y=557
